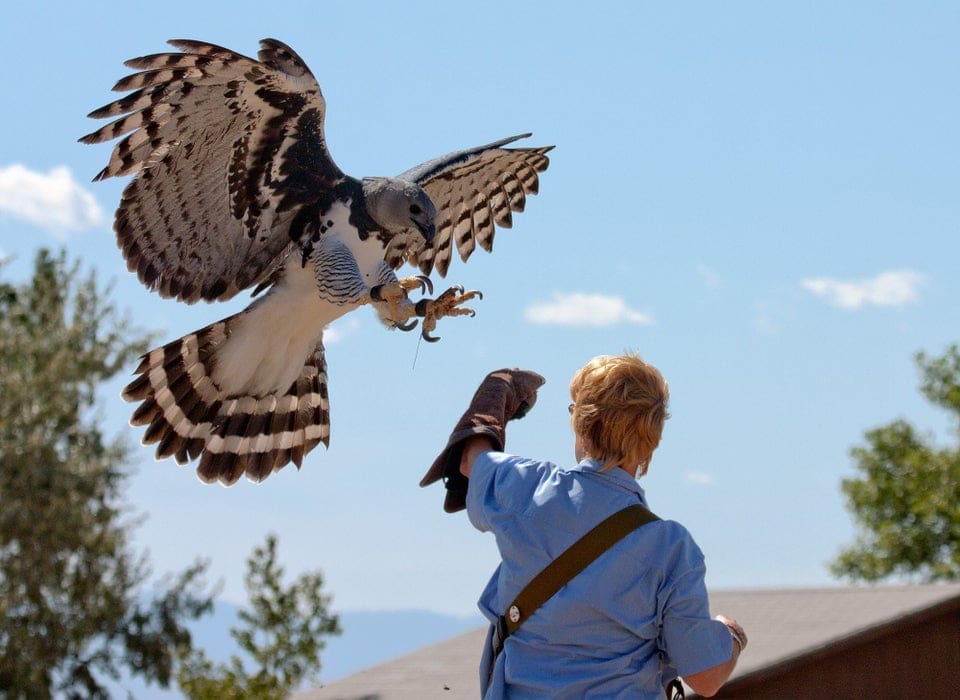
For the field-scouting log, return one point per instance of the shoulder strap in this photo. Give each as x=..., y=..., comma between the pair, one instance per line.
x=574, y=560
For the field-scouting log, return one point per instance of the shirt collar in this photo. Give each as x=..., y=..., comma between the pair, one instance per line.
x=615, y=476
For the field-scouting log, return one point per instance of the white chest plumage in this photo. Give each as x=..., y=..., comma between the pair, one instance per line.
x=294, y=313
x=367, y=254
x=345, y=266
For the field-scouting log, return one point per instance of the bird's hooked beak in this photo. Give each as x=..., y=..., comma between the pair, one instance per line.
x=428, y=231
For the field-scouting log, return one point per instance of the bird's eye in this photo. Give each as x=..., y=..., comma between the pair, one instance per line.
x=415, y=209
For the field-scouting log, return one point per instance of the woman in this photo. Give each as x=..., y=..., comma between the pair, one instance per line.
x=638, y=616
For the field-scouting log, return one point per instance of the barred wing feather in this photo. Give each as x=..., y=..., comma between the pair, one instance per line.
x=474, y=190
x=219, y=145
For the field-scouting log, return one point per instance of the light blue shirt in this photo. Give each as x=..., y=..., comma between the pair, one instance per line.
x=634, y=619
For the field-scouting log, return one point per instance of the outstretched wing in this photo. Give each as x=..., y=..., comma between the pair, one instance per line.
x=473, y=190
x=229, y=159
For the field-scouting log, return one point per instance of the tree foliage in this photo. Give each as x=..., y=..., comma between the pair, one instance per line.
x=73, y=605
x=282, y=633
x=906, y=499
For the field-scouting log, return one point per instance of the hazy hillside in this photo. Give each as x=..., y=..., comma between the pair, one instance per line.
x=368, y=638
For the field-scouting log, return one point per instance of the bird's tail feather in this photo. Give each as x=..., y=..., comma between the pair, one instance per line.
x=188, y=416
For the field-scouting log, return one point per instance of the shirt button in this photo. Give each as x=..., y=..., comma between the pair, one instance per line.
x=513, y=614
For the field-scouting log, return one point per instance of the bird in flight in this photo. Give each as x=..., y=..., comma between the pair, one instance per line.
x=233, y=188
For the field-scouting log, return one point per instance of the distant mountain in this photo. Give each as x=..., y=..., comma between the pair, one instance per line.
x=369, y=638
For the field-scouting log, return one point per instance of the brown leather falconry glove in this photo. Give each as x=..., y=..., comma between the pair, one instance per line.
x=502, y=396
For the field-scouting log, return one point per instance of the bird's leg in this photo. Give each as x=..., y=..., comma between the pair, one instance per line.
x=447, y=304
x=396, y=296
x=396, y=308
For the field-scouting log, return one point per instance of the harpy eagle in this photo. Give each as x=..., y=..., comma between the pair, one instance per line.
x=234, y=188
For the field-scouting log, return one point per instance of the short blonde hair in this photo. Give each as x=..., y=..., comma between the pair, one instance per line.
x=619, y=408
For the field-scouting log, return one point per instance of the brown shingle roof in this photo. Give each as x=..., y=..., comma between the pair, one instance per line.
x=784, y=623
x=448, y=669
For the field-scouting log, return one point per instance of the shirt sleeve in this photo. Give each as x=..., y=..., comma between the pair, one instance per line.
x=480, y=490
x=693, y=642
x=501, y=484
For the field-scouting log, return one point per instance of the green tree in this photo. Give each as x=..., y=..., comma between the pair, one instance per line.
x=906, y=499
x=73, y=600
x=282, y=633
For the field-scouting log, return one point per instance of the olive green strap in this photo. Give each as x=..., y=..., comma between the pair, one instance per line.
x=574, y=560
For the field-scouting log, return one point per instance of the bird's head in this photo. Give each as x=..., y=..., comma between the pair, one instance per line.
x=399, y=205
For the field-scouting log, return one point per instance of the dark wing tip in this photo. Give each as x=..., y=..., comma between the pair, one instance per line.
x=191, y=44
x=509, y=139
x=204, y=48
x=271, y=43
x=279, y=56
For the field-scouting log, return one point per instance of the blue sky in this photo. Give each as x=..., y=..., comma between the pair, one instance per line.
x=761, y=199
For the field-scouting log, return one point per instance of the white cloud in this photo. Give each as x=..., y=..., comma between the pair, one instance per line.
x=699, y=478
x=339, y=329
x=578, y=309
x=53, y=201
x=893, y=288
